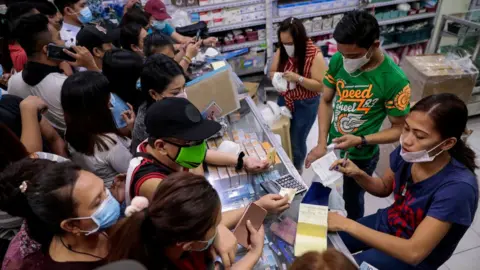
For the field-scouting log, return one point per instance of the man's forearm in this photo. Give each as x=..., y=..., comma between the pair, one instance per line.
x=218, y=158
x=385, y=136
x=325, y=111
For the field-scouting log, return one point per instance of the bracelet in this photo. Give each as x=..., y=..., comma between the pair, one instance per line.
x=239, y=165
x=188, y=59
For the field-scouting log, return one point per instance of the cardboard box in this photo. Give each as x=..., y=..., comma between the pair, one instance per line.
x=434, y=74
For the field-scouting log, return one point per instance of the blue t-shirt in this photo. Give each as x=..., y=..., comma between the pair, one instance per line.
x=451, y=195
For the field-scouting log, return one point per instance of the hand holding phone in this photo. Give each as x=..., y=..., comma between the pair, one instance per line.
x=81, y=58
x=256, y=215
x=58, y=53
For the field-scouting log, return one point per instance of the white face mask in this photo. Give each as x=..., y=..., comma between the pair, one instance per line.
x=290, y=49
x=352, y=65
x=419, y=156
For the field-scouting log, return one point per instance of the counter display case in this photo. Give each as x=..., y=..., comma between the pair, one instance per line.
x=238, y=189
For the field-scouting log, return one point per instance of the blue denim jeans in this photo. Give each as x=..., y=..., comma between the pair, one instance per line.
x=304, y=115
x=372, y=256
x=353, y=194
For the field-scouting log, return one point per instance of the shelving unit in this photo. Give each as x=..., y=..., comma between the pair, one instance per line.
x=397, y=45
x=271, y=19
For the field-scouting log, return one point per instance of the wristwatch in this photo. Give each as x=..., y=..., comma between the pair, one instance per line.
x=363, y=143
x=239, y=165
x=301, y=79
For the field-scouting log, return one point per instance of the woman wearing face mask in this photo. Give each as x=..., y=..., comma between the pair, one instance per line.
x=303, y=67
x=436, y=192
x=161, y=77
x=66, y=211
x=95, y=141
x=178, y=227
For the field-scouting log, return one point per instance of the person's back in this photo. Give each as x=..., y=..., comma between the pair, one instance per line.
x=41, y=77
x=95, y=142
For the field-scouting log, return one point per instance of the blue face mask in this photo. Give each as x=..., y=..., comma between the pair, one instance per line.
x=106, y=214
x=159, y=25
x=85, y=15
x=207, y=243
x=149, y=31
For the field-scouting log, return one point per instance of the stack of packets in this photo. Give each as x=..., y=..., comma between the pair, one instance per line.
x=286, y=230
x=322, y=169
x=312, y=221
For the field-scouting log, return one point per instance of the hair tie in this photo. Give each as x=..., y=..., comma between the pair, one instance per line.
x=23, y=187
x=138, y=204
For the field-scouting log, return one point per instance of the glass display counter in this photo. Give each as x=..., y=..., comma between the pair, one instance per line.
x=237, y=189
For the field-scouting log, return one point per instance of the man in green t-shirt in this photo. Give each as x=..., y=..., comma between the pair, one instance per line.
x=361, y=87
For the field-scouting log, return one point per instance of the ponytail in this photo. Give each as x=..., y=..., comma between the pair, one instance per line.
x=128, y=239
x=464, y=154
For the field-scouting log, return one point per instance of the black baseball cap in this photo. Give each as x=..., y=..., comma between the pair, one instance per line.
x=93, y=35
x=178, y=118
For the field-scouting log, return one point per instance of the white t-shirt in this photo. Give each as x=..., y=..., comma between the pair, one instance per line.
x=68, y=33
x=49, y=89
x=106, y=164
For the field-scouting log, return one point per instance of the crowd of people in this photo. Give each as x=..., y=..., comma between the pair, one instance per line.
x=102, y=154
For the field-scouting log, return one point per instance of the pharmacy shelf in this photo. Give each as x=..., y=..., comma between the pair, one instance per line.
x=383, y=22
x=244, y=45
x=387, y=3
x=408, y=18
x=398, y=45
x=222, y=5
x=316, y=14
x=228, y=27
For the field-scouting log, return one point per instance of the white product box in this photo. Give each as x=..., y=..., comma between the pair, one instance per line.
x=327, y=23
x=205, y=2
x=206, y=16
x=217, y=14
x=257, y=15
x=317, y=24
x=218, y=22
x=232, y=12
x=336, y=19
x=284, y=11
x=308, y=25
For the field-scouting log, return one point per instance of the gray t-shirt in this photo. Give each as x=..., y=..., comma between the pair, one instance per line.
x=106, y=164
x=139, y=133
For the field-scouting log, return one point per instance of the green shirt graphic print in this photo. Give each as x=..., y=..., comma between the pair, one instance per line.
x=363, y=99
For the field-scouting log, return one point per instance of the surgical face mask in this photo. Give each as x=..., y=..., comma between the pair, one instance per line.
x=149, y=31
x=106, y=214
x=290, y=49
x=419, y=156
x=159, y=25
x=190, y=157
x=182, y=94
x=352, y=65
x=207, y=243
x=85, y=15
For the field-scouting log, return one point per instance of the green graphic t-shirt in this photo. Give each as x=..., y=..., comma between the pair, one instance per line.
x=364, y=98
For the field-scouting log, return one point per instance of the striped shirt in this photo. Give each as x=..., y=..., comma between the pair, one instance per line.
x=300, y=93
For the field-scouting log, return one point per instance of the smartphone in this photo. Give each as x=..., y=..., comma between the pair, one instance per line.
x=118, y=107
x=197, y=37
x=256, y=215
x=57, y=53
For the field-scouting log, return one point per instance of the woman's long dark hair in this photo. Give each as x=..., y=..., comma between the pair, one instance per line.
x=295, y=27
x=185, y=206
x=450, y=115
x=158, y=72
x=85, y=101
x=47, y=200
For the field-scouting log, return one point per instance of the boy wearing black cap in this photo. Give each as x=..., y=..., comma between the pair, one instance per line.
x=177, y=134
x=96, y=39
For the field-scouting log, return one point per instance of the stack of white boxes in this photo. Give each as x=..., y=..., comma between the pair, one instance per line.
x=226, y=16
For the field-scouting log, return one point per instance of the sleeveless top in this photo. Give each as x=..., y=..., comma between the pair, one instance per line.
x=300, y=93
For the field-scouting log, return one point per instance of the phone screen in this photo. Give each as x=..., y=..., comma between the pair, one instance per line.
x=256, y=215
x=56, y=52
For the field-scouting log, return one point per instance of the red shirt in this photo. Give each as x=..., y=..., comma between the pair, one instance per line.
x=18, y=56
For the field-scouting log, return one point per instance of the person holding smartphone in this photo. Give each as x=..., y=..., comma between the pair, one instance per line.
x=42, y=76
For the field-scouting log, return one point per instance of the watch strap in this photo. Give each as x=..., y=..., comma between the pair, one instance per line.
x=239, y=165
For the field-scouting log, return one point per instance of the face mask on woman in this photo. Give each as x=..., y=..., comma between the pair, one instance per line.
x=419, y=156
x=207, y=243
x=85, y=15
x=290, y=49
x=106, y=214
x=190, y=157
x=352, y=65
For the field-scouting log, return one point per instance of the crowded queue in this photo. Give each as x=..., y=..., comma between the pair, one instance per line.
x=102, y=155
